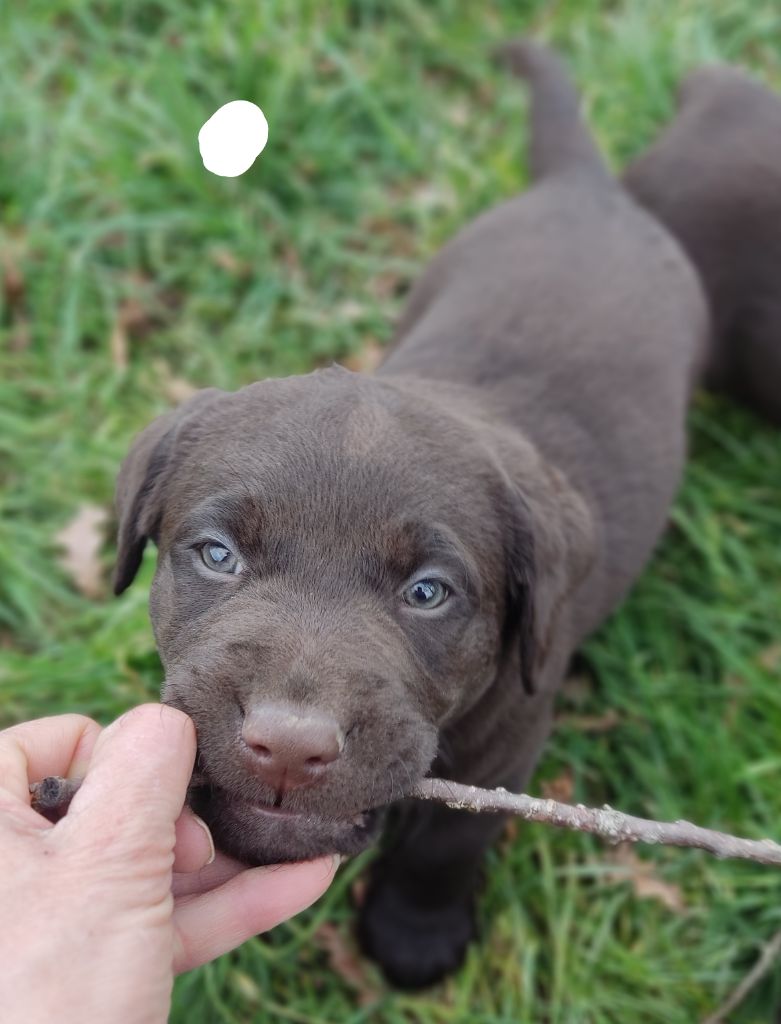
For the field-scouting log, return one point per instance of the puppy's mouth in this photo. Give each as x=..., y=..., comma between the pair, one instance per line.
x=276, y=812
x=257, y=832
x=358, y=820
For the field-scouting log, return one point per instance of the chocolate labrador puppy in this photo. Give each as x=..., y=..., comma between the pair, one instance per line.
x=363, y=579
x=714, y=180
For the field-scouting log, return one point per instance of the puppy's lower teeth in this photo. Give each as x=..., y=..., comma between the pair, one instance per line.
x=359, y=819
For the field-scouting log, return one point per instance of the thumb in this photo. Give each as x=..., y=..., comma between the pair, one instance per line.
x=137, y=778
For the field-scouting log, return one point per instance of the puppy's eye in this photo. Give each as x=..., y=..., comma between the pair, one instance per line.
x=219, y=558
x=426, y=594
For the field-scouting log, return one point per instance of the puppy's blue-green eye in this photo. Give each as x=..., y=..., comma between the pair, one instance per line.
x=426, y=594
x=219, y=558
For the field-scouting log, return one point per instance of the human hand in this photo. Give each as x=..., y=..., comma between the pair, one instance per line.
x=101, y=909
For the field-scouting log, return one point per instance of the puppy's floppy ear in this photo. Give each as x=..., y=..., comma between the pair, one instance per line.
x=550, y=550
x=521, y=585
x=140, y=486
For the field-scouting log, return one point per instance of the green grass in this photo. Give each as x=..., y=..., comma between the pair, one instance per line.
x=388, y=130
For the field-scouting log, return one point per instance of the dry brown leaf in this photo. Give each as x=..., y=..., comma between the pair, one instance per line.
x=246, y=986
x=176, y=389
x=398, y=239
x=133, y=320
x=346, y=961
x=358, y=891
x=428, y=198
x=509, y=835
x=350, y=310
x=289, y=256
x=223, y=258
x=387, y=285
x=21, y=335
x=643, y=878
x=113, y=240
x=14, y=285
x=735, y=685
x=511, y=829
x=366, y=359
x=578, y=688
x=459, y=113
x=591, y=723
x=562, y=788
x=81, y=541
x=325, y=65
x=134, y=316
x=118, y=345
x=741, y=528
x=770, y=658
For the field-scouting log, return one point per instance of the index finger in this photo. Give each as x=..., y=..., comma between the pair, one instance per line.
x=60, y=745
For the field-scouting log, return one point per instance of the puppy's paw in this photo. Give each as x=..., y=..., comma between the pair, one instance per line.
x=414, y=946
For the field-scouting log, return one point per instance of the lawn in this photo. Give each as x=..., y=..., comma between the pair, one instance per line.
x=131, y=276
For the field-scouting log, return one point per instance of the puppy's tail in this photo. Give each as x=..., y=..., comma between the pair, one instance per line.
x=560, y=140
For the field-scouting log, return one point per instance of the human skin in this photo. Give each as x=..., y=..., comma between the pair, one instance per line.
x=103, y=908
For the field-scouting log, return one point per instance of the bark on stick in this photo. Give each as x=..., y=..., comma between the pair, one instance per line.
x=604, y=822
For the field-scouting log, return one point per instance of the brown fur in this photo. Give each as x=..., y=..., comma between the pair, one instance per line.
x=523, y=441
x=713, y=178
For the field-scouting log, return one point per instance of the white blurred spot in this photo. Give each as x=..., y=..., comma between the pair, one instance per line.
x=233, y=138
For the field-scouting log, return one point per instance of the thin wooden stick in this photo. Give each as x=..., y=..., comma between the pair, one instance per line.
x=52, y=796
x=605, y=822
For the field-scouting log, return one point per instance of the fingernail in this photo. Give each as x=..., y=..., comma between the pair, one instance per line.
x=205, y=827
x=338, y=859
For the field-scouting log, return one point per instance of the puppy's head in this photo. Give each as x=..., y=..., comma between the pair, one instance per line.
x=344, y=566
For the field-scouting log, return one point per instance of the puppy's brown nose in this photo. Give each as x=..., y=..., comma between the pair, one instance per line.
x=289, y=746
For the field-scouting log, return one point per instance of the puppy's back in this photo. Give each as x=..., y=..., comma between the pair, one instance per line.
x=577, y=322
x=714, y=180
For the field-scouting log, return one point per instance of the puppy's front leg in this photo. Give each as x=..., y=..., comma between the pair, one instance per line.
x=418, y=917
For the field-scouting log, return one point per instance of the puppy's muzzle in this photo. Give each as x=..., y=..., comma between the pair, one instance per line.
x=289, y=747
